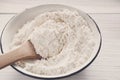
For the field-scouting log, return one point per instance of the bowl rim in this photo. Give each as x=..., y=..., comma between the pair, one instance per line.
x=60, y=76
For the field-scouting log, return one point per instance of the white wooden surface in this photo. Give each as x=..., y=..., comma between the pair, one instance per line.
x=107, y=15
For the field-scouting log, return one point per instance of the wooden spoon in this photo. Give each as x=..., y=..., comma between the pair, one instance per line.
x=25, y=51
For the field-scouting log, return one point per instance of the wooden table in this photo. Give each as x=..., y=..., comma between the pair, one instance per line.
x=106, y=13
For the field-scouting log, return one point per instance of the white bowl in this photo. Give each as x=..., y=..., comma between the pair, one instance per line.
x=16, y=22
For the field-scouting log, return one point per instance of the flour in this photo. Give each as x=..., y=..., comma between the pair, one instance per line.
x=62, y=37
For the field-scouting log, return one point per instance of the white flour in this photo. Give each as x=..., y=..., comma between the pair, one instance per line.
x=63, y=37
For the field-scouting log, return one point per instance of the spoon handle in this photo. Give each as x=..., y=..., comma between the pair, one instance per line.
x=25, y=51
x=10, y=57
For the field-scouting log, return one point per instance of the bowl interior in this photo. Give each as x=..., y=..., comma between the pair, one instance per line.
x=29, y=14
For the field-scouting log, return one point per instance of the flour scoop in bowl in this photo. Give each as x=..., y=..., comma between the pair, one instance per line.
x=70, y=34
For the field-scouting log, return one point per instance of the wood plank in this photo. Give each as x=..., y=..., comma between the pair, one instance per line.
x=88, y=6
x=105, y=67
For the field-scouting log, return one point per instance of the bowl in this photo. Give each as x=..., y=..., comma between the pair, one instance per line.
x=17, y=21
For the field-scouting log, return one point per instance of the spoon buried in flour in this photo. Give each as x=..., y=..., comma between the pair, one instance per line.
x=25, y=51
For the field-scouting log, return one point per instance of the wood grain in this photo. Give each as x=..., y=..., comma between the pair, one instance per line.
x=89, y=6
